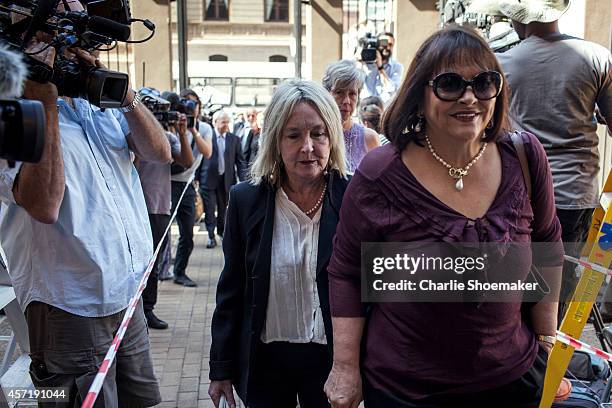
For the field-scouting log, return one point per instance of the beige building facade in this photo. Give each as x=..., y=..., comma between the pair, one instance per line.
x=255, y=39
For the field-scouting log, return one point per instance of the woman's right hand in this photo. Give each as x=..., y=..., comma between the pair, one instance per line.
x=343, y=386
x=182, y=124
x=218, y=388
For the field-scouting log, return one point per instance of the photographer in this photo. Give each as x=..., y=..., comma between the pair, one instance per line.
x=384, y=75
x=200, y=140
x=155, y=179
x=75, y=277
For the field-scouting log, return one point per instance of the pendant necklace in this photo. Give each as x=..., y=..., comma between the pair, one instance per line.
x=457, y=173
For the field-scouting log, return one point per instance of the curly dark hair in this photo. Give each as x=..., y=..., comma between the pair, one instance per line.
x=451, y=47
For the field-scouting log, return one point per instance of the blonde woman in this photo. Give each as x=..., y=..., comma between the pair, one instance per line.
x=271, y=329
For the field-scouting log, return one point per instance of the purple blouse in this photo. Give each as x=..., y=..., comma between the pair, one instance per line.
x=354, y=146
x=416, y=350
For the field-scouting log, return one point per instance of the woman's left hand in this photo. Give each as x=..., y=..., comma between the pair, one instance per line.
x=546, y=346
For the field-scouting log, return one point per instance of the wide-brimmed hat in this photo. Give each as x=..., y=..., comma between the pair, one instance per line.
x=523, y=11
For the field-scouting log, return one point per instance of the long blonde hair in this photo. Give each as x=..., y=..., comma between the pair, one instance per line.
x=267, y=165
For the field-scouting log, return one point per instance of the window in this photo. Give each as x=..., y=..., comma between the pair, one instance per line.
x=213, y=90
x=216, y=10
x=217, y=57
x=278, y=58
x=254, y=91
x=277, y=10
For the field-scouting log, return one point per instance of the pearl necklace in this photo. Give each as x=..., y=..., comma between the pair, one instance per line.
x=454, y=172
x=318, y=203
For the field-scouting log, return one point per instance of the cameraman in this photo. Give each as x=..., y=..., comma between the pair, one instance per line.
x=155, y=180
x=74, y=278
x=41, y=185
x=200, y=139
x=383, y=76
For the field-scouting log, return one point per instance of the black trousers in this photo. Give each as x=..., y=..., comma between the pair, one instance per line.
x=287, y=372
x=185, y=218
x=524, y=392
x=158, y=222
x=575, y=230
x=214, y=200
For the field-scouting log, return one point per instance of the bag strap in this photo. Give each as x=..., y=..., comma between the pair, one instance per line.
x=519, y=146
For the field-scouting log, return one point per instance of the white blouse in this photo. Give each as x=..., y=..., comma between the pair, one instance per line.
x=294, y=313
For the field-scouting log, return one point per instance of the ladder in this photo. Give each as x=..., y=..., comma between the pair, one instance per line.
x=15, y=375
x=598, y=250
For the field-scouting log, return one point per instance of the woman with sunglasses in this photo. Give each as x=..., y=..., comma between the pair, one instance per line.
x=451, y=174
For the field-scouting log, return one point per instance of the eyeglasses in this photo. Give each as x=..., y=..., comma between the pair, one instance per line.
x=450, y=86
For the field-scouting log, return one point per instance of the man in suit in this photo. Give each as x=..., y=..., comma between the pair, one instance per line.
x=250, y=144
x=219, y=173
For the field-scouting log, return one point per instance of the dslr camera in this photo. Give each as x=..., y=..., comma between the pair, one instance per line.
x=98, y=29
x=369, y=44
x=187, y=107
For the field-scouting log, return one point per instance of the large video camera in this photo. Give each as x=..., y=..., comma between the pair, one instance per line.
x=369, y=45
x=91, y=30
x=22, y=129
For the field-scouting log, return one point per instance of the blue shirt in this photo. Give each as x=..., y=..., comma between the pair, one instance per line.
x=373, y=83
x=91, y=260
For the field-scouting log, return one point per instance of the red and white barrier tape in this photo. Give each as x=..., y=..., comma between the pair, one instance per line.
x=98, y=381
x=96, y=386
x=591, y=265
x=579, y=345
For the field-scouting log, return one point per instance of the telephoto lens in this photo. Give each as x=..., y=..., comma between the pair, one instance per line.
x=22, y=130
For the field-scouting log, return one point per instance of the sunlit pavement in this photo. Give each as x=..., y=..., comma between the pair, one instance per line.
x=180, y=353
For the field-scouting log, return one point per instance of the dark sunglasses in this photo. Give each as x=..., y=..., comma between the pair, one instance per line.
x=450, y=86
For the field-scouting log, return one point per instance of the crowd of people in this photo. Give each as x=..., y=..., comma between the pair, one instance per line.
x=291, y=193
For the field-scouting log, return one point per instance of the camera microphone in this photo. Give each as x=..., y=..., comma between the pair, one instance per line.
x=13, y=73
x=109, y=28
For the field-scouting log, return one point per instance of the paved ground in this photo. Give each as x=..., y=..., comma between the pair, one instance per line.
x=180, y=353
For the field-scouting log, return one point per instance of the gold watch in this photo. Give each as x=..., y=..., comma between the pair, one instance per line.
x=547, y=339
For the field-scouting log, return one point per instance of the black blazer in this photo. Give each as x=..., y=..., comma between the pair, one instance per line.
x=234, y=160
x=251, y=147
x=242, y=291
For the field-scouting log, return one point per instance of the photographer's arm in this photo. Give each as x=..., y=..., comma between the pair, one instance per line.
x=385, y=81
x=204, y=142
x=185, y=156
x=39, y=187
x=147, y=138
